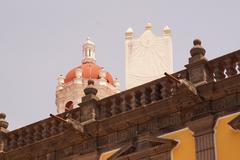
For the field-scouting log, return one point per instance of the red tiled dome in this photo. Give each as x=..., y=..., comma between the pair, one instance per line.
x=89, y=71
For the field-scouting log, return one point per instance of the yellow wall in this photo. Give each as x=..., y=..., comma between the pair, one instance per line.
x=185, y=150
x=106, y=155
x=227, y=140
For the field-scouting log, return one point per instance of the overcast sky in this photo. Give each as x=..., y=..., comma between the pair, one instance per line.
x=40, y=40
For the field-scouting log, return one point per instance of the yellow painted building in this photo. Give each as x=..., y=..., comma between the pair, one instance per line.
x=227, y=142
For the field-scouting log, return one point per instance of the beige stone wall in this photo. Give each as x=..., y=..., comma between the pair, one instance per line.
x=73, y=91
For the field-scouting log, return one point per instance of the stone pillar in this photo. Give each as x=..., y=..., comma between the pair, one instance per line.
x=59, y=94
x=203, y=130
x=117, y=85
x=3, y=131
x=89, y=107
x=197, y=68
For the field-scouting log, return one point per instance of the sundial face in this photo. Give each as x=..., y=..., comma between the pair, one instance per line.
x=146, y=42
x=149, y=55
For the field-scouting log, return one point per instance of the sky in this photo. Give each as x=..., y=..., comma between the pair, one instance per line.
x=41, y=39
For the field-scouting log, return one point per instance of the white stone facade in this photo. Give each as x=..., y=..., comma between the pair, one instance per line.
x=73, y=91
x=147, y=57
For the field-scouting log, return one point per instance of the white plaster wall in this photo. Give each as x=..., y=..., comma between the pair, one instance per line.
x=147, y=58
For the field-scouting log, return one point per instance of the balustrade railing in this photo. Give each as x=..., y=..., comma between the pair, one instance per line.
x=225, y=66
x=33, y=133
x=136, y=97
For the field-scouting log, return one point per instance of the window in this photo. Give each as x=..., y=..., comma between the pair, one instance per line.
x=69, y=106
x=89, y=53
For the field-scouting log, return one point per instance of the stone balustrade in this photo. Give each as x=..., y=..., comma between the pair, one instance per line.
x=225, y=66
x=220, y=68
x=141, y=96
x=136, y=97
x=38, y=131
x=33, y=133
x=114, y=105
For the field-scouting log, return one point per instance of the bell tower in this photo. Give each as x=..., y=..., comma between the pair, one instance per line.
x=88, y=51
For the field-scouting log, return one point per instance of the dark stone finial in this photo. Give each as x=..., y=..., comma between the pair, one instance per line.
x=90, y=89
x=197, y=48
x=3, y=123
x=90, y=82
x=2, y=115
x=197, y=42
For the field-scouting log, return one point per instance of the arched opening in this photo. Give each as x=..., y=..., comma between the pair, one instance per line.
x=69, y=106
x=89, y=53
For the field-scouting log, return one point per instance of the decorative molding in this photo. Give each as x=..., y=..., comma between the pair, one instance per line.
x=147, y=147
x=235, y=123
x=203, y=130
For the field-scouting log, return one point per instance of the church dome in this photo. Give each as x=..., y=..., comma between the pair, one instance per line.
x=89, y=71
x=71, y=87
x=89, y=68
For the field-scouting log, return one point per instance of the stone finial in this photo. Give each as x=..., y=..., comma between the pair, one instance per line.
x=3, y=131
x=90, y=82
x=167, y=30
x=90, y=92
x=88, y=41
x=116, y=83
x=197, y=48
x=90, y=89
x=60, y=79
x=148, y=26
x=199, y=73
x=129, y=30
x=3, y=123
x=129, y=33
